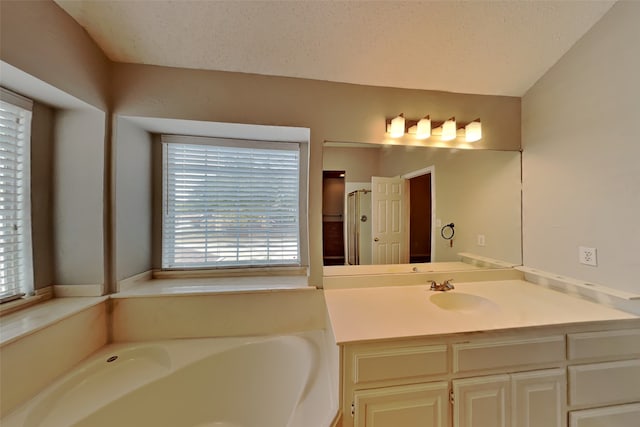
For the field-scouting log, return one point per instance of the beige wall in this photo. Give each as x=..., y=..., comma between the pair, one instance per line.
x=333, y=111
x=133, y=199
x=580, y=159
x=42, y=146
x=78, y=197
x=41, y=39
x=360, y=164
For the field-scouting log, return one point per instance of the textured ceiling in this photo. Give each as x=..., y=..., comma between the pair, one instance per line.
x=482, y=47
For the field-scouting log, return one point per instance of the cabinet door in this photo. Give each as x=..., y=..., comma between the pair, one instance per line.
x=481, y=402
x=418, y=405
x=538, y=398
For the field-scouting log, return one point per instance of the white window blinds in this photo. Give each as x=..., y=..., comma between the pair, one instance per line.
x=16, y=276
x=230, y=203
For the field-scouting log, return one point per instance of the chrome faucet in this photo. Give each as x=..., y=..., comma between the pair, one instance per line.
x=443, y=287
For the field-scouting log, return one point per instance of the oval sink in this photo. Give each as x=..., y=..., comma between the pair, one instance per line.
x=458, y=301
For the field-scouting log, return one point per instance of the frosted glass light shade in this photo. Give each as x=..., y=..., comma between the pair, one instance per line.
x=423, y=130
x=396, y=130
x=473, y=131
x=449, y=129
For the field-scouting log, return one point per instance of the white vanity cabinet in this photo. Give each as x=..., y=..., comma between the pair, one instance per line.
x=396, y=383
x=531, y=399
x=554, y=377
x=604, y=378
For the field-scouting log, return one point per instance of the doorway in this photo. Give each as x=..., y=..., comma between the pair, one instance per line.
x=333, y=218
x=422, y=197
x=420, y=218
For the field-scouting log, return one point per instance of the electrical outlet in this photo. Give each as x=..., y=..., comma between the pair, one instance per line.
x=587, y=256
x=480, y=240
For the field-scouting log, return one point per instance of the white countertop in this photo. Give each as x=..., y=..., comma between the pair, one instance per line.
x=379, y=313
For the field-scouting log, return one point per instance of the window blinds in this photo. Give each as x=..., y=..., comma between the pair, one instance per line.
x=230, y=204
x=16, y=276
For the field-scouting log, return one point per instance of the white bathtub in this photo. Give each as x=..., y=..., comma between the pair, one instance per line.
x=224, y=382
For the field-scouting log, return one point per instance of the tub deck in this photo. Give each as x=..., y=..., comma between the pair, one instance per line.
x=228, y=382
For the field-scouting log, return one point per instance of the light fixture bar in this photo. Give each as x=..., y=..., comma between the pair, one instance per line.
x=446, y=131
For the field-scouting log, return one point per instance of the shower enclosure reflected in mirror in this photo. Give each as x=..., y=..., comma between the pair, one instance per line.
x=390, y=202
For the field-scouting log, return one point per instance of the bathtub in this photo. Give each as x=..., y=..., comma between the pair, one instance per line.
x=223, y=382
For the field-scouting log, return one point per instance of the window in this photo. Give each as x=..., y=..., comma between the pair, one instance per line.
x=233, y=203
x=16, y=275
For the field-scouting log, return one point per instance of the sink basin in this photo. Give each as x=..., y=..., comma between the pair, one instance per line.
x=459, y=301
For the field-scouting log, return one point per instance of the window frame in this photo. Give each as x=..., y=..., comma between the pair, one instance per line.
x=25, y=286
x=303, y=179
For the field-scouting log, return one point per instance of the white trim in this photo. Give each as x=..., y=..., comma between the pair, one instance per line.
x=538, y=276
x=230, y=142
x=230, y=272
x=21, y=275
x=16, y=99
x=90, y=290
x=302, y=147
x=127, y=283
x=482, y=261
x=424, y=171
x=610, y=297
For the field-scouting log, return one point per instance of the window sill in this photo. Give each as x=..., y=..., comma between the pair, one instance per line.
x=41, y=295
x=214, y=285
x=34, y=318
x=230, y=272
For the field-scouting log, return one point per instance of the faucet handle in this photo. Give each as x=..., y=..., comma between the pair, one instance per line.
x=434, y=284
x=448, y=285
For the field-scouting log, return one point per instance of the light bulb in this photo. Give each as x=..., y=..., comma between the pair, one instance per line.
x=473, y=131
x=396, y=129
x=423, y=130
x=449, y=129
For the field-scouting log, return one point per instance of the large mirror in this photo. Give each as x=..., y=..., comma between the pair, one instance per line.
x=398, y=204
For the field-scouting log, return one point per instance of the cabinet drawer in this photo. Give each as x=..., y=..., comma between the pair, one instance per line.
x=618, y=416
x=399, y=363
x=618, y=344
x=484, y=355
x=604, y=383
x=407, y=405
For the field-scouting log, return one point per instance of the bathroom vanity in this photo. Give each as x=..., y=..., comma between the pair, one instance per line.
x=495, y=353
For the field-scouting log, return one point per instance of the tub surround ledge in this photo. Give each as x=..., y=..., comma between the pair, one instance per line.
x=32, y=319
x=148, y=287
x=41, y=343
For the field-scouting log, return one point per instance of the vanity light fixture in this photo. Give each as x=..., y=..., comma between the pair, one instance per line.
x=421, y=129
x=473, y=131
x=395, y=126
x=447, y=130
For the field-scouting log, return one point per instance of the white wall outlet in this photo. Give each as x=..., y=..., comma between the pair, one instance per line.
x=481, y=240
x=587, y=256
